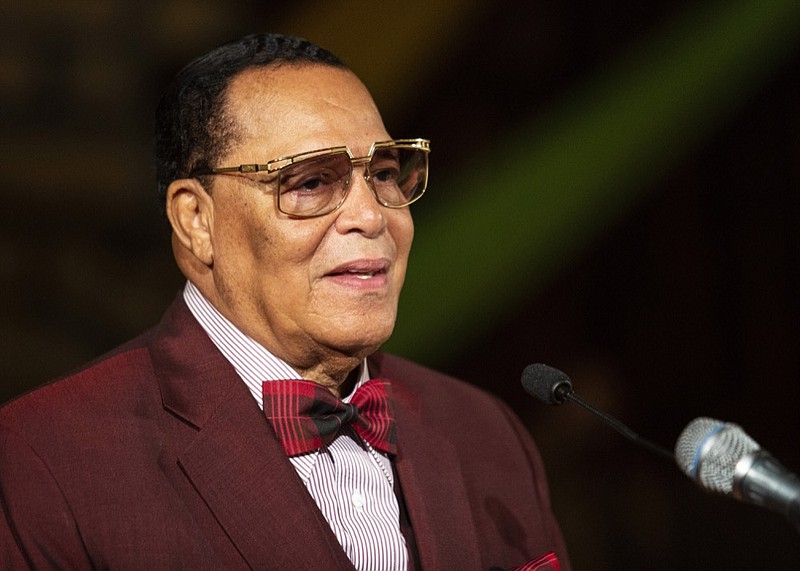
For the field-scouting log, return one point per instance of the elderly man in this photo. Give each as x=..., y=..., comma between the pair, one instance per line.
x=258, y=426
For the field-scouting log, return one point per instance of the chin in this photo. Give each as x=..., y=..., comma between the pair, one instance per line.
x=355, y=329
x=361, y=342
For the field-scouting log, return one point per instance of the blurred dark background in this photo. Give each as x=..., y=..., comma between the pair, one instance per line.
x=614, y=192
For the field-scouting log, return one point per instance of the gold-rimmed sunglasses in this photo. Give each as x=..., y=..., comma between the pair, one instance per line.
x=315, y=183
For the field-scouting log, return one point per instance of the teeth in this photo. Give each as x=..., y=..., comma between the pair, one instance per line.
x=361, y=274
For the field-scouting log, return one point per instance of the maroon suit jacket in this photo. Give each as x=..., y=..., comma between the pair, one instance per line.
x=157, y=457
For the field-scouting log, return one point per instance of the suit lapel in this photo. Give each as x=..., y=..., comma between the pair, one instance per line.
x=433, y=488
x=244, y=477
x=233, y=459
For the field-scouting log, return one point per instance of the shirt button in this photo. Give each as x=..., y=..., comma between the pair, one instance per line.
x=358, y=501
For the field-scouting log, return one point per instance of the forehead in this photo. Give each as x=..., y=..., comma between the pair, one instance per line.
x=296, y=108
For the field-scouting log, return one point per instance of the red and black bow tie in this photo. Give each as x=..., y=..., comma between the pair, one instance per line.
x=306, y=416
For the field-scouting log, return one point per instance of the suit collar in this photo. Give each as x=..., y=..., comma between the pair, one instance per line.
x=192, y=374
x=232, y=458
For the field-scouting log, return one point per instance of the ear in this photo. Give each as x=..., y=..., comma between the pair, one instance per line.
x=191, y=213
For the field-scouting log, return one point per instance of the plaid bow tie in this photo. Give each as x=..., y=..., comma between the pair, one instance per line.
x=307, y=416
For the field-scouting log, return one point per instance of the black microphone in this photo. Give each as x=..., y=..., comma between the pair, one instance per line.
x=721, y=458
x=554, y=387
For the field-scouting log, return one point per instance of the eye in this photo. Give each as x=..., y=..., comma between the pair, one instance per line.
x=387, y=175
x=305, y=181
x=313, y=183
x=385, y=170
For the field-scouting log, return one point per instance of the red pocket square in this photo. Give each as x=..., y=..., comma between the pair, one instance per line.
x=547, y=562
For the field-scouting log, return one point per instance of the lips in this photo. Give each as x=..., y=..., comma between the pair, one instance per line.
x=361, y=275
x=363, y=269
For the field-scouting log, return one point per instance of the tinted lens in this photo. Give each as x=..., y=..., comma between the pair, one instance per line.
x=314, y=186
x=399, y=175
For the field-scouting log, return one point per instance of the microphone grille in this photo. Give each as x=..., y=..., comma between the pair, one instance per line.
x=708, y=451
x=540, y=381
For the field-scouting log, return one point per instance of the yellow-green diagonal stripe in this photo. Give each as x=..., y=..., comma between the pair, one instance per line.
x=519, y=214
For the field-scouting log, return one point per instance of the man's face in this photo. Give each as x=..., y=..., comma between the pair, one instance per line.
x=305, y=288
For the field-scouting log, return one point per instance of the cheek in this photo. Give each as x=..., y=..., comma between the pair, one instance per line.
x=288, y=256
x=401, y=228
x=247, y=244
x=254, y=229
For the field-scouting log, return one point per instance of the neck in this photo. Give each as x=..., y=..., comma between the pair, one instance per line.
x=340, y=378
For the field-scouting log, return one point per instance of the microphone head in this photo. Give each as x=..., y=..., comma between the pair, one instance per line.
x=708, y=450
x=546, y=383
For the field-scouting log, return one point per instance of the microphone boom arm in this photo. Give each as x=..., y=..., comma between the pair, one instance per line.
x=619, y=427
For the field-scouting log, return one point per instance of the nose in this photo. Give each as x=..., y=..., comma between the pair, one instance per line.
x=361, y=210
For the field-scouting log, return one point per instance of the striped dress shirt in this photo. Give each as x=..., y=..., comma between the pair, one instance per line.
x=351, y=482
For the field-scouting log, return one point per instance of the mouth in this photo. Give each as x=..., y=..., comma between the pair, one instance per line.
x=366, y=271
x=363, y=276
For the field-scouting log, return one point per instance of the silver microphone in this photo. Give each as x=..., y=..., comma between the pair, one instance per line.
x=721, y=458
